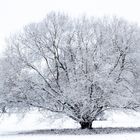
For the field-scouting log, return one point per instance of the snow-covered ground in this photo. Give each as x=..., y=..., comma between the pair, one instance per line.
x=134, y=136
x=35, y=121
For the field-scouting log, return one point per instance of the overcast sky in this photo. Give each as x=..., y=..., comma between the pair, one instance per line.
x=14, y=14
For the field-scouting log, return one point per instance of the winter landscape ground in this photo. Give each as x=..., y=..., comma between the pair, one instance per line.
x=119, y=125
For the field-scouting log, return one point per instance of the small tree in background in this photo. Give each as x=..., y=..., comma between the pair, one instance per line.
x=78, y=67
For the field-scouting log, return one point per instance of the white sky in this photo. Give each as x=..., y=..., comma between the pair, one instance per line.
x=14, y=14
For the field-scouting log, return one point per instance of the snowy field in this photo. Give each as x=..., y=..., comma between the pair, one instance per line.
x=34, y=121
x=134, y=136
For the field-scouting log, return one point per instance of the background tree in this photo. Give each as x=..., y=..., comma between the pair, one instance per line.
x=79, y=67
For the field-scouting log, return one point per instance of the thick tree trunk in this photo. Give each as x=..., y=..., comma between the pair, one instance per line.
x=86, y=125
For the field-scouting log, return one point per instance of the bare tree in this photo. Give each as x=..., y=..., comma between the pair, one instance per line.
x=79, y=67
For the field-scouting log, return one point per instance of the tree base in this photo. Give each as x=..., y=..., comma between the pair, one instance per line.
x=86, y=125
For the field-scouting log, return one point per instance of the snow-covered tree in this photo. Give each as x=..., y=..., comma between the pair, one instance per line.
x=79, y=67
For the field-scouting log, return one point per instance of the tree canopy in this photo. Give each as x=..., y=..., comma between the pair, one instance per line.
x=79, y=67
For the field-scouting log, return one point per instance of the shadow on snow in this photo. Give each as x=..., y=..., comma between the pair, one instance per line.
x=99, y=130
